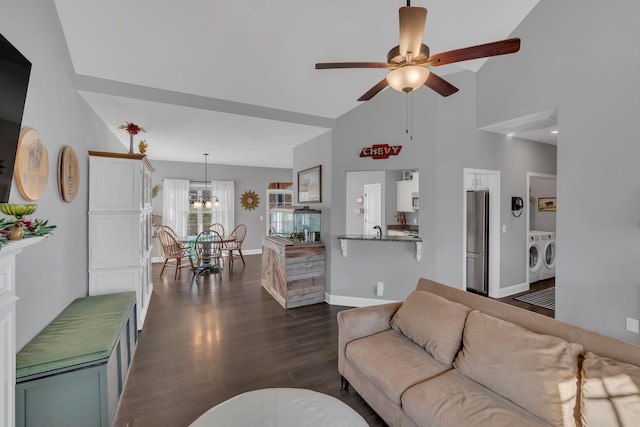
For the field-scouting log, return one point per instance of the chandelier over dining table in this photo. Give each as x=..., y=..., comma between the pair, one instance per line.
x=205, y=199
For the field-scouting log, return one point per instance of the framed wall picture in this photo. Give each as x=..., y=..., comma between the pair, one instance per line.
x=310, y=185
x=546, y=203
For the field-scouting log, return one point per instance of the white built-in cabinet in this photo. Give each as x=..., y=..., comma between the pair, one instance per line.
x=405, y=191
x=120, y=226
x=277, y=198
x=476, y=181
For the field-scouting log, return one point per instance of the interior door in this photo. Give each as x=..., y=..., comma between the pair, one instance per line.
x=372, y=208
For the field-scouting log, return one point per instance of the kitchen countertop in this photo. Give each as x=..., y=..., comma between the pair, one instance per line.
x=385, y=238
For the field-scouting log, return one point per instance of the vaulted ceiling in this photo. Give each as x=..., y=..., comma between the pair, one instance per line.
x=236, y=79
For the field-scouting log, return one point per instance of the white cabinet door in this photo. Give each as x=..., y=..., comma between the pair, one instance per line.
x=403, y=196
x=476, y=181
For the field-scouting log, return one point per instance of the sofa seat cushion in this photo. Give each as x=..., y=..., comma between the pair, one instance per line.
x=432, y=322
x=610, y=392
x=535, y=371
x=453, y=400
x=392, y=362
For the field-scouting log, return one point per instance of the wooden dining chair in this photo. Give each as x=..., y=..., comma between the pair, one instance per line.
x=208, y=250
x=239, y=233
x=217, y=227
x=173, y=251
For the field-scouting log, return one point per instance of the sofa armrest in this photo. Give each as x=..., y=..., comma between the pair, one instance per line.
x=361, y=322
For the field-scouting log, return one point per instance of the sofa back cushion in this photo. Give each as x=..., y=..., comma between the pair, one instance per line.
x=433, y=323
x=537, y=372
x=610, y=392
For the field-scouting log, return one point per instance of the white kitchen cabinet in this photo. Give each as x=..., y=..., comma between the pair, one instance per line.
x=120, y=226
x=476, y=181
x=405, y=191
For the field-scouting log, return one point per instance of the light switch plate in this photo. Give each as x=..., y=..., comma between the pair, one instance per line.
x=633, y=325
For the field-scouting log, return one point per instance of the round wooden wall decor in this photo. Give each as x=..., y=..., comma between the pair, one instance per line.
x=68, y=174
x=32, y=165
x=249, y=200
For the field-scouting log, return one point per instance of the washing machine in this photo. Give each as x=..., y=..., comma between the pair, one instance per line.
x=548, y=240
x=535, y=256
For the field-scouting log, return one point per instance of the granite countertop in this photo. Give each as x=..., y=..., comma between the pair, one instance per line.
x=385, y=238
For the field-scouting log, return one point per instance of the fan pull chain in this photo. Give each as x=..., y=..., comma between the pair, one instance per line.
x=409, y=129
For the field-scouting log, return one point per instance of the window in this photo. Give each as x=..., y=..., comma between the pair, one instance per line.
x=200, y=219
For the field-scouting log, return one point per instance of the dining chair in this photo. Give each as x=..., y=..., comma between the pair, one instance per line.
x=208, y=250
x=217, y=227
x=174, y=251
x=239, y=233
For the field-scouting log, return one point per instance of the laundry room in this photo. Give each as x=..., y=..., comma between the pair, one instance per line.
x=542, y=228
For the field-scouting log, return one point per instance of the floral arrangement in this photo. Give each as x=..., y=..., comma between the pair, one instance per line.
x=132, y=128
x=155, y=189
x=37, y=227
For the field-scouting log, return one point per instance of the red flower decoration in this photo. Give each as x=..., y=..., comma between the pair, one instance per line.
x=132, y=128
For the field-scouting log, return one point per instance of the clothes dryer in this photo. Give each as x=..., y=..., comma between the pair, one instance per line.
x=535, y=257
x=548, y=240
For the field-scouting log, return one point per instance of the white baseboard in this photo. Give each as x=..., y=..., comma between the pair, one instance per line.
x=513, y=289
x=252, y=251
x=353, y=301
x=157, y=259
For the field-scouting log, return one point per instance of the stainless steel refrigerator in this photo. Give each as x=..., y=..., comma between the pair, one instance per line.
x=478, y=241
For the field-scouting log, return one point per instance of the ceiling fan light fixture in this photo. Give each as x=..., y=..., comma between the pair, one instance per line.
x=407, y=78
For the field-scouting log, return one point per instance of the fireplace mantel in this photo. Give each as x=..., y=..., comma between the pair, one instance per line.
x=8, y=300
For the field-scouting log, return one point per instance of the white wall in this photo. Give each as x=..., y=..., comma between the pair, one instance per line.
x=578, y=56
x=50, y=275
x=245, y=179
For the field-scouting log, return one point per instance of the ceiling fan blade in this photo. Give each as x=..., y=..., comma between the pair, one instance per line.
x=412, y=20
x=502, y=47
x=440, y=85
x=374, y=90
x=329, y=65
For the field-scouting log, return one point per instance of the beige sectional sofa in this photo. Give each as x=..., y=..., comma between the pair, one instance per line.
x=445, y=357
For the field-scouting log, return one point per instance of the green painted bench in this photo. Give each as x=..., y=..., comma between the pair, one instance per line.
x=72, y=373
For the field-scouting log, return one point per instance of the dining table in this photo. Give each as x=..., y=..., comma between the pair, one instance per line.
x=206, y=263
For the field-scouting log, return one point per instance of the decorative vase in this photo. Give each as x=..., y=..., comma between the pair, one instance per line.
x=16, y=232
x=130, y=143
x=18, y=211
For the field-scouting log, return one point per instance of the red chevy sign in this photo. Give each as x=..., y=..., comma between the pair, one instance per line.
x=381, y=151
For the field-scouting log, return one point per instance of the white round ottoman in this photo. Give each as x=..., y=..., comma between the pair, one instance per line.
x=281, y=407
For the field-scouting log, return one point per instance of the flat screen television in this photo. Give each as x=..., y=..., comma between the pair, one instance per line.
x=14, y=79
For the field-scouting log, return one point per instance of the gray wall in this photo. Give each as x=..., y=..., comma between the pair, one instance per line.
x=597, y=282
x=445, y=141
x=51, y=274
x=542, y=188
x=245, y=179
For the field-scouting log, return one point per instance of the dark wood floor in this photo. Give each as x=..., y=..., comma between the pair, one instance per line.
x=207, y=341
x=204, y=342
x=542, y=284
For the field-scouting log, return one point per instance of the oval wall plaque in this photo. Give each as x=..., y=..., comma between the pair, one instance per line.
x=32, y=165
x=68, y=174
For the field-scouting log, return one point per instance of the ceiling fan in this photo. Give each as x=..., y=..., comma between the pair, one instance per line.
x=409, y=60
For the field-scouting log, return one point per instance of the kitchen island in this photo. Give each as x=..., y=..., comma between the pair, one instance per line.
x=293, y=273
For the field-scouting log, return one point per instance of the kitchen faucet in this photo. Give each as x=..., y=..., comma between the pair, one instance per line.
x=378, y=231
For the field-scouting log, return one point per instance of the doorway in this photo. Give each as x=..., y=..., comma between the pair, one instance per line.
x=541, y=227
x=481, y=179
x=372, y=208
